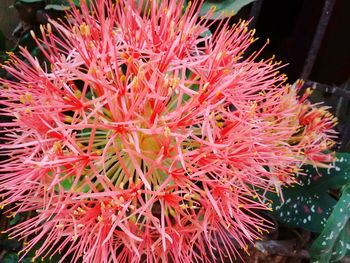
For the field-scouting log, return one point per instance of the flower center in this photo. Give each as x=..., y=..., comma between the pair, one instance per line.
x=150, y=145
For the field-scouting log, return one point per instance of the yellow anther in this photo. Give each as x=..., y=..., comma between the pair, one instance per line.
x=68, y=119
x=259, y=230
x=57, y=146
x=212, y=115
x=22, y=99
x=79, y=144
x=167, y=131
x=183, y=206
x=187, y=195
x=27, y=111
x=81, y=210
x=32, y=34
x=60, y=225
x=84, y=29
x=172, y=212
x=309, y=91
x=77, y=94
x=133, y=219
x=205, y=86
x=29, y=97
x=195, y=196
x=49, y=29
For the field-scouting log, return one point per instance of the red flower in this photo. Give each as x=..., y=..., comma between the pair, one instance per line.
x=142, y=138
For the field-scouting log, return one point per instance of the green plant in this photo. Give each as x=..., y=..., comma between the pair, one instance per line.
x=313, y=205
x=334, y=242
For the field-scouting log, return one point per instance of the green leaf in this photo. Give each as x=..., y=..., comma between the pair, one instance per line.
x=15, y=220
x=67, y=183
x=62, y=5
x=224, y=8
x=58, y=5
x=31, y=1
x=77, y=3
x=334, y=242
x=10, y=258
x=7, y=244
x=309, y=205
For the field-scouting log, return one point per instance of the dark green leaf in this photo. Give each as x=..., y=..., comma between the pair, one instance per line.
x=224, y=8
x=60, y=2
x=309, y=205
x=334, y=242
x=8, y=244
x=15, y=220
x=57, y=7
x=62, y=5
x=31, y=1
x=77, y=3
x=10, y=258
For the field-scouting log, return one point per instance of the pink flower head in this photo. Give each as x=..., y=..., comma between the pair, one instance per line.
x=143, y=138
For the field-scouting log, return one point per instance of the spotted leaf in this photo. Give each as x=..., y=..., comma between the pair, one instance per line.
x=31, y=1
x=309, y=204
x=334, y=242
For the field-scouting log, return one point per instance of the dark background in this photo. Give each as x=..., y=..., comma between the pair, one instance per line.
x=291, y=25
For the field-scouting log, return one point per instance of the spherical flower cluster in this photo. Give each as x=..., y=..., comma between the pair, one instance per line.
x=141, y=137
